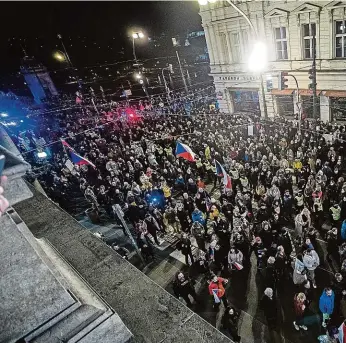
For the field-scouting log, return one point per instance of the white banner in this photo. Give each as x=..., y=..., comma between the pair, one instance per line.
x=250, y=130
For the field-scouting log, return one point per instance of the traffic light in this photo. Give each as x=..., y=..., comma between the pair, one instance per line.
x=283, y=80
x=312, y=77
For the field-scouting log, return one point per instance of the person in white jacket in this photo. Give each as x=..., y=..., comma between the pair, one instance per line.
x=311, y=261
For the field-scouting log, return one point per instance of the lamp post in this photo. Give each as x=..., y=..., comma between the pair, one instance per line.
x=136, y=35
x=258, y=58
x=64, y=56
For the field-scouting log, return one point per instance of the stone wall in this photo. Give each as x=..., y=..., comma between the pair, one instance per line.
x=150, y=313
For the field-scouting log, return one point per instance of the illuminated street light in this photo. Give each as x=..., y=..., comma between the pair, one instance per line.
x=58, y=55
x=140, y=34
x=258, y=58
x=138, y=76
x=135, y=35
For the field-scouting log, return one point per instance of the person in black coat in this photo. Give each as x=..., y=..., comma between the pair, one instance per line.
x=184, y=245
x=152, y=226
x=183, y=218
x=183, y=287
x=270, y=277
x=268, y=305
x=230, y=323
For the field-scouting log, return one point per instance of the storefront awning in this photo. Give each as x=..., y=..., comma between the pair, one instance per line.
x=335, y=94
x=282, y=92
x=308, y=92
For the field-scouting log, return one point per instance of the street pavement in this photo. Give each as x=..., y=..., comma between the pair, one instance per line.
x=244, y=290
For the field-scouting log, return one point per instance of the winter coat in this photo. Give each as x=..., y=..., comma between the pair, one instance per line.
x=299, y=307
x=197, y=216
x=269, y=307
x=298, y=277
x=343, y=230
x=311, y=262
x=217, y=285
x=185, y=246
x=235, y=257
x=326, y=303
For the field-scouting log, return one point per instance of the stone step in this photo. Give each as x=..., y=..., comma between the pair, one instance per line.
x=69, y=326
x=110, y=330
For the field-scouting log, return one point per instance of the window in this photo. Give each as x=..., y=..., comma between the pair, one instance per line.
x=309, y=32
x=340, y=38
x=236, y=47
x=245, y=38
x=281, y=43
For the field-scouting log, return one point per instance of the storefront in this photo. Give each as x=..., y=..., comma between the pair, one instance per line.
x=246, y=100
x=306, y=99
x=284, y=102
x=337, y=105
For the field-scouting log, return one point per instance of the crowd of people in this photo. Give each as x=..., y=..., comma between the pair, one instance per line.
x=287, y=191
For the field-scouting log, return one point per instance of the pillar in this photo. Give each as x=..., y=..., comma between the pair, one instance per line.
x=215, y=45
x=209, y=45
x=229, y=49
x=325, y=108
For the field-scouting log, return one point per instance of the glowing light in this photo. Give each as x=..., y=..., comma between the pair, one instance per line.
x=11, y=123
x=202, y=2
x=258, y=58
x=59, y=56
x=135, y=35
x=41, y=154
x=140, y=34
x=138, y=76
x=3, y=115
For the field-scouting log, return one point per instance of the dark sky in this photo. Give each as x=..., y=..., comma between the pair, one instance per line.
x=93, y=32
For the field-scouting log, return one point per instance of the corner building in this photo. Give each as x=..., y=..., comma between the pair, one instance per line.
x=287, y=28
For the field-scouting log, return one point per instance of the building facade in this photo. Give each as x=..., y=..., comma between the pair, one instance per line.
x=287, y=28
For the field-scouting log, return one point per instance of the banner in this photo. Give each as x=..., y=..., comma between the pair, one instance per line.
x=250, y=130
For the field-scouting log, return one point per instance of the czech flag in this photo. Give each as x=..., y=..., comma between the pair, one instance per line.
x=66, y=145
x=220, y=171
x=79, y=160
x=184, y=151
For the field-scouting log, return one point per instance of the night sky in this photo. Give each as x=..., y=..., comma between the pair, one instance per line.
x=93, y=32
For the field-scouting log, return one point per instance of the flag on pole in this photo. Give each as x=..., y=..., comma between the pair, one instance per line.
x=220, y=171
x=184, y=151
x=79, y=160
x=66, y=145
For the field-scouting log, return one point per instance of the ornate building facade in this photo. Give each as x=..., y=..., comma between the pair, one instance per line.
x=287, y=28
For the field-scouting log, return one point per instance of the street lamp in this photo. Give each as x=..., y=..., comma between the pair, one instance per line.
x=60, y=56
x=136, y=35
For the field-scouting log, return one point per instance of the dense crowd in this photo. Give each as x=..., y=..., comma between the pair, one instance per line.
x=287, y=191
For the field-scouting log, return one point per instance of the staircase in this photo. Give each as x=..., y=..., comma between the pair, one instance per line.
x=87, y=324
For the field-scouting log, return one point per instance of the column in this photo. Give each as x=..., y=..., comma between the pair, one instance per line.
x=230, y=101
x=209, y=45
x=219, y=47
x=215, y=45
x=325, y=108
x=229, y=49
